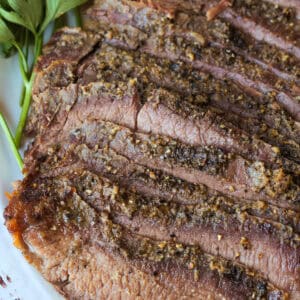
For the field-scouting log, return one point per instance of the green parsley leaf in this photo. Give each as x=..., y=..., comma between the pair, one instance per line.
x=25, y=13
x=13, y=17
x=10, y=138
x=68, y=5
x=5, y=34
x=4, y=3
x=56, y=8
x=6, y=49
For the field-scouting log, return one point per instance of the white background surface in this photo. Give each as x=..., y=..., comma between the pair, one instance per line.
x=26, y=283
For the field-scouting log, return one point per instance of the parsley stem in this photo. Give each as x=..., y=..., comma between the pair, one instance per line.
x=38, y=42
x=24, y=112
x=23, y=70
x=59, y=23
x=26, y=45
x=22, y=96
x=77, y=15
x=11, y=141
x=26, y=53
x=22, y=58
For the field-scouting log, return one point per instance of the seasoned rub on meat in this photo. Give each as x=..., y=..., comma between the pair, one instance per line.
x=165, y=162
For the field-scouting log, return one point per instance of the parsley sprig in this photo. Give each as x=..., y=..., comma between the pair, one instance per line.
x=22, y=27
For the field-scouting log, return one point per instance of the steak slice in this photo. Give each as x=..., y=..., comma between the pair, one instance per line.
x=162, y=115
x=269, y=22
x=264, y=156
x=226, y=172
x=165, y=41
x=205, y=127
x=198, y=215
x=110, y=101
x=237, y=176
x=59, y=160
x=95, y=67
x=57, y=68
x=89, y=240
x=189, y=82
x=120, y=102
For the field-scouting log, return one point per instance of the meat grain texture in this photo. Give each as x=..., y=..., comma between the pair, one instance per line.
x=165, y=162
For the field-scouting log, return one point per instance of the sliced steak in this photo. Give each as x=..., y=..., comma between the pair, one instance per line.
x=270, y=22
x=155, y=183
x=193, y=213
x=208, y=227
x=288, y=147
x=58, y=64
x=164, y=73
x=162, y=114
x=225, y=34
x=165, y=159
x=88, y=241
x=165, y=41
x=196, y=164
x=190, y=84
x=56, y=68
x=227, y=173
x=58, y=161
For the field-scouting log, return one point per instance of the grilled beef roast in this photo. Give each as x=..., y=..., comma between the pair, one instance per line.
x=165, y=162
